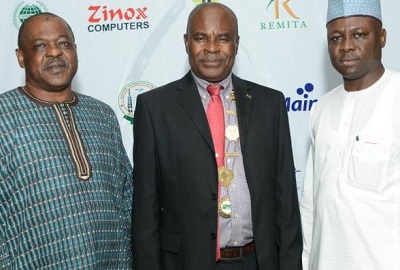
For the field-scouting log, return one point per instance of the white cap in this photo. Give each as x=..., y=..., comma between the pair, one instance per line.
x=348, y=8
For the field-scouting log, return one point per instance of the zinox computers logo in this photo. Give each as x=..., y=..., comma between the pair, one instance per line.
x=302, y=102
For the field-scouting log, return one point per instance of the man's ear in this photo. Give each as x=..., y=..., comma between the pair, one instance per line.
x=237, y=44
x=383, y=37
x=20, y=57
x=185, y=39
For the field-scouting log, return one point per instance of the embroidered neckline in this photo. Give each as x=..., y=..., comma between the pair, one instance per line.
x=42, y=102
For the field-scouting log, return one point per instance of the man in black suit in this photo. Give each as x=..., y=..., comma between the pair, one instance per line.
x=192, y=212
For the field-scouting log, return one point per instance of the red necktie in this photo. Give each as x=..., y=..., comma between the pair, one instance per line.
x=215, y=117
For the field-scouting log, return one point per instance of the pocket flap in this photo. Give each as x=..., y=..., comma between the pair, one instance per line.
x=171, y=242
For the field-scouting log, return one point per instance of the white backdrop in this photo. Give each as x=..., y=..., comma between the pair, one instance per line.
x=126, y=47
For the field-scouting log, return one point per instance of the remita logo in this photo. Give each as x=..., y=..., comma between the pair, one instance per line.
x=303, y=103
x=284, y=17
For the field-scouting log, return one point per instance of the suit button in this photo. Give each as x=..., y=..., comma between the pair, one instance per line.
x=212, y=236
x=213, y=196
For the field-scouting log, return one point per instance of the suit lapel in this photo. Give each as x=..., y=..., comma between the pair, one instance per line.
x=189, y=98
x=244, y=104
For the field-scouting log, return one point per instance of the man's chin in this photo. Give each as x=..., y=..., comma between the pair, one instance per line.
x=58, y=84
x=213, y=76
x=54, y=87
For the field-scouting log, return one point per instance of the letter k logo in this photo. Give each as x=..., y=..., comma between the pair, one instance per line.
x=285, y=6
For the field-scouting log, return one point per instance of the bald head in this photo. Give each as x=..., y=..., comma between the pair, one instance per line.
x=24, y=29
x=212, y=5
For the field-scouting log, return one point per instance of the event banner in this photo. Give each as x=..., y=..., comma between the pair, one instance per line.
x=127, y=47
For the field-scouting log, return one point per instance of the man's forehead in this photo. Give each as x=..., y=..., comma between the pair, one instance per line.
x=352, y=22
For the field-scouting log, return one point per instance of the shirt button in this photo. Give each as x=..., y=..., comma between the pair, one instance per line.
x=213, y=196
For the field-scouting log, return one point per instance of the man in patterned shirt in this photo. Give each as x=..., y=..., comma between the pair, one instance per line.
x=65, y=178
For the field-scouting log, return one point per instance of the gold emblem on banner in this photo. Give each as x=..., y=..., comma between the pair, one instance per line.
x=224, y=207
x=225, y=176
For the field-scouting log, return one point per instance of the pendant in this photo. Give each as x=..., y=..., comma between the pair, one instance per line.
x=232, y=154
x=232, y=96
x=224, y=207
x=232, y=133
x=225, y=176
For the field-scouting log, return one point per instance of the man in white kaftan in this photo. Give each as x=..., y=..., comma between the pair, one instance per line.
x=351, y=198
x=350, y=204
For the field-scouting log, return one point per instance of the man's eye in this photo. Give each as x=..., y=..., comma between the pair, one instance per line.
x=358, y=35
x=40, y=45
x=64, y=44
x=335, y=38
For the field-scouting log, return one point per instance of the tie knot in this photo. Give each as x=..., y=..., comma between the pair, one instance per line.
x=214, y=90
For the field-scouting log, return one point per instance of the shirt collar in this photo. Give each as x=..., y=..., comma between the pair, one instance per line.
x=202, y=85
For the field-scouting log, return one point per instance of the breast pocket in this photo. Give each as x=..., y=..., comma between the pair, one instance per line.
x=368, y=164
x=171, y=242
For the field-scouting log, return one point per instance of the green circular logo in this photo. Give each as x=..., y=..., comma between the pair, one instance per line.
x=128, y=94
x=23, y=11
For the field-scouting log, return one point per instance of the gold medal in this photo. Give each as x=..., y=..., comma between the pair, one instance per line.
x=225, y=176
x=232, y=133
x=231, y=154
x=230, y=112
x=232, y=96
x=224, y=207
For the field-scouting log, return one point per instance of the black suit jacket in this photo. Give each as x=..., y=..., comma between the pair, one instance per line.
x=175, y=178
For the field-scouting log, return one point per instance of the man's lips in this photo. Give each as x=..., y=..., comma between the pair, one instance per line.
x=214, y=62
x=348, y=61
x=55, y=66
